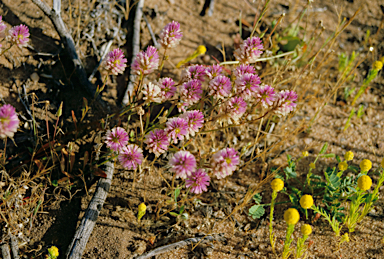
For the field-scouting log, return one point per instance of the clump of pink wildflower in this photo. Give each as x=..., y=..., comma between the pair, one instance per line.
x=9, y=122
x=220, y=86
x=213, y=71
x=234, y=109
x=171, y=35
x=19, y=35
x=247, y=85
x=176, y=128
x=157, y=141
x=224, y=162
x=183, y=163
x=116, y=138
x=131, y=156
x=167, y=88
x=152, y=93
x=249, y=51
x=115, y=62
x=195, y=121
x=198, y=181
x=266, y=95
x=243, y=69
x=193, y=72
x=190, y=92
x=285, y=102
x=3, y=27
x=146, y=61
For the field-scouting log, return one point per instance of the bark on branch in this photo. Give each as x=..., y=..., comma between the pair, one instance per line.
x=84, y=231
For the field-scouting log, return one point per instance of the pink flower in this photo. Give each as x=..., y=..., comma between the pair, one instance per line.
x=9, y=122
x=234, y=108
x=193, y=72
x=131, y=156
x=213, y=71
x=167, y=87
x=157, y=141
x=191, y=92
x=114, y=62
x=220, y=87
x=247, y=85
x=224, y=162
x=243, y=69
x=177, y=129
x=146, y=61
x=3, y=27
x=152, y=93
x=195, y=121
x=266, y=95
x=183, y=163
x=116, y=138
x=285, y=102
x=19, y=35
x=249, y=51
x=198, y=181
x=171, y=35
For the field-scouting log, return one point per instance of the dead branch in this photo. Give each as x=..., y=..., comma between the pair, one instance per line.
x=84, y=231
x=55, y=15
x=135, y=49
x=14, y=247
x=5, y=251
x=174, y=246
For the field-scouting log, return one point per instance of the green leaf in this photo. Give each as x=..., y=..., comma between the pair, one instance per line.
x=324, y=148
x=329, y=155
x=256, y=211
x=181, y=210
x=291, y=44
x=173, y=214
x=177, y=193
x=257, y=198
x=338, y=159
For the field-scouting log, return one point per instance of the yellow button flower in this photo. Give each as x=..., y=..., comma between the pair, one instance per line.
x=277, y=184
x=343, y=166
x=312, y=165
x=305, y=153
x=348, y=156
x=306, y=229
x=306, y=201
x=142, y=208
x=365, y=165
x=377, y=65
x=53, y=251
x=291, y=216
x=364, y=182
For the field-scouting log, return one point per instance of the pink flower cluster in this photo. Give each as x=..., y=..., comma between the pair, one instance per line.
x=19, y=35
x=115, y=62
x=146, y=61
x=152, y=93
x=9, y=122
x=190, y=93
x=183, y=164
x=167, y=88
x=249, y=51
x=129, y=156
x=171, y=35
x=234, y=109
x=285, y=102
x=224, y=162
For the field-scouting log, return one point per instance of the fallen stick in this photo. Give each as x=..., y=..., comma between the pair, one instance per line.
x=76, y=248
x=55, y=15
x=174, y=246
x=5, y=251
x=135, y=49
x=14, y=247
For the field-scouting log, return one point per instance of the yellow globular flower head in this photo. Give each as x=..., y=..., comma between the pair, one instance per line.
x=53, y=251
x=142, y=208
x=277, y=184
x=343, y=166
x=201, y=49
x=345, y=238
x=348, y=156
x=377, y=65
x=306, y=229
x=306, y=201
x=291, y=216
x=365, y=165
x=364, y=182
x=305, y=153
x=312, y=165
